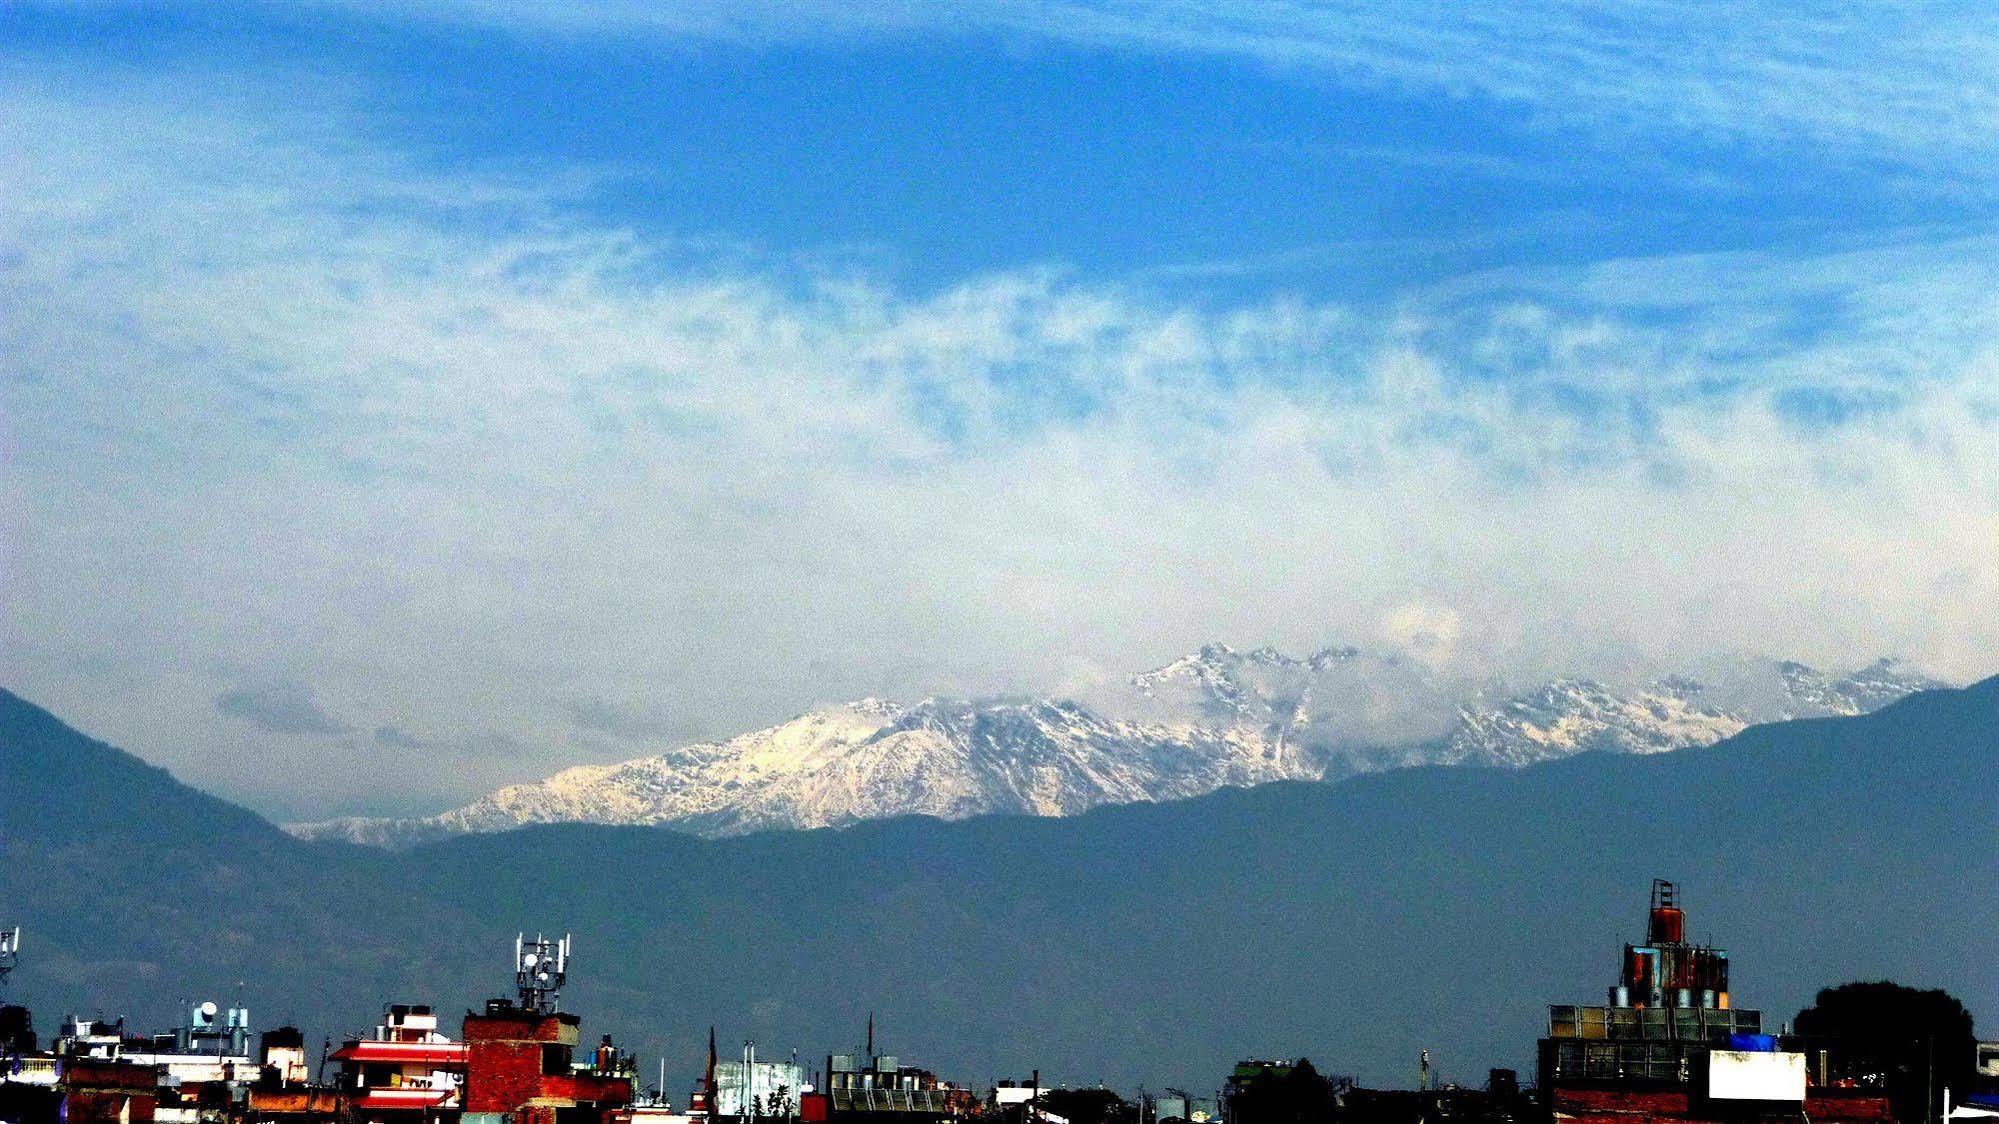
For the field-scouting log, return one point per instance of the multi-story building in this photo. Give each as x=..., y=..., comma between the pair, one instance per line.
x=1670, y=1046
x=520, y=1064
x=203, y=1068
x=407, y=1073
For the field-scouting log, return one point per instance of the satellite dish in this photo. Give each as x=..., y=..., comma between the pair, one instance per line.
x=530, y=960
x=208, y=1010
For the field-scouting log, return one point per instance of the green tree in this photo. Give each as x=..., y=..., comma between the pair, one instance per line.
x=1089, y=1106
x=1295, y=1094
x=1915, y=1043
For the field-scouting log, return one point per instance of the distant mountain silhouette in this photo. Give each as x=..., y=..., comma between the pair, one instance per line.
x=1356, y=922
x=1218, y=718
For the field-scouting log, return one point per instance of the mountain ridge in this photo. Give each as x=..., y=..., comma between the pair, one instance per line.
x=1134, y=943
x=1217, y=718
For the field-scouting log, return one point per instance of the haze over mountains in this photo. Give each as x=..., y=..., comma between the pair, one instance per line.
x=1219, y=718
x=1356, y=922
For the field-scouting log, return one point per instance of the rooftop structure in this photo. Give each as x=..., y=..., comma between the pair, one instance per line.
x=540, y=968
x=872, y=1086
x=1670, y=1047
x=1670, y=1002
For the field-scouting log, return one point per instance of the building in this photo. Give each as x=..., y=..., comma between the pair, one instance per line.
x=203, y=1069
x=42, y=1088
x=1177, y=1104
x=751, y=1087
x=1670, y=1046
x=1022, y=1102
x=407, y=1073
x=94, y=1084
x=281, y=1057
x=520, y=1064
x=95, y=1091
x=879, y=1088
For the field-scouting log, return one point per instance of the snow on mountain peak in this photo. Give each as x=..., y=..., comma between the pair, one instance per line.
x=1218, y=717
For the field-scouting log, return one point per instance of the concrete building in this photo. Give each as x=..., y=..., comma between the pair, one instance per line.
x=408, y=1073
x=765, y=1089
x=202, y=1069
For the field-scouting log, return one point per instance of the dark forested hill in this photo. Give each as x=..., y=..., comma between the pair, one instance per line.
x=1357, y=923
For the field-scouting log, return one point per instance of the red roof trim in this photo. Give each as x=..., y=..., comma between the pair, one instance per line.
x=371, y=1051
x=403, y=1098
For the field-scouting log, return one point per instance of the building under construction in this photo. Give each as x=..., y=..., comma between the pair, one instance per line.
x=1671, y=1047
x=1671, y=1000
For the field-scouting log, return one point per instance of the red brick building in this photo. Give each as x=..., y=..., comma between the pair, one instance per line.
x=520, y=1067
x=106, y=1092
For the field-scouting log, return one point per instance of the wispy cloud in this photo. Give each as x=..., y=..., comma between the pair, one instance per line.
x=623, y=722
x=268, y=415
x=1911, y=85
x=281, y=707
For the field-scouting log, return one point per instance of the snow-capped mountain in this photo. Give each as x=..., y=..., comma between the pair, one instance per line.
x=1214, y=719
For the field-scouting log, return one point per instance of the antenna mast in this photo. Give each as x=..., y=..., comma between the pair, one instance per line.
x=540, y=967
x=10, y=951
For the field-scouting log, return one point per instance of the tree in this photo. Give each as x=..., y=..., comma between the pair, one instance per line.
x=1914, y=1043
x=1089, y=1106
x=777, y=1103
x=1281, y=1094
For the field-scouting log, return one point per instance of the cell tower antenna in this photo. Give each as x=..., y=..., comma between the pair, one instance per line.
x=10, y=951
x=540, y=967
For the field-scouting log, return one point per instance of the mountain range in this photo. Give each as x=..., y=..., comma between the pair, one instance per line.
x=1219, y=718
x=1356, y=922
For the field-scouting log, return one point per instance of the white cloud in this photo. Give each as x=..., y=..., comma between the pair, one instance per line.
x=456, y=468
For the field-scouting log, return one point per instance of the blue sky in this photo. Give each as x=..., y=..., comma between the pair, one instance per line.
x=396, y=382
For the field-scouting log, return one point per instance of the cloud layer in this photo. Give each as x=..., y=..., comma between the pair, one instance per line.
x=442, y=457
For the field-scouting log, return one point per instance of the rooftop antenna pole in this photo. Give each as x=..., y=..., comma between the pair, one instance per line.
x=708, y=1079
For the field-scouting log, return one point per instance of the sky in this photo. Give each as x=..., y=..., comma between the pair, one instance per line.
x=399, y=400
